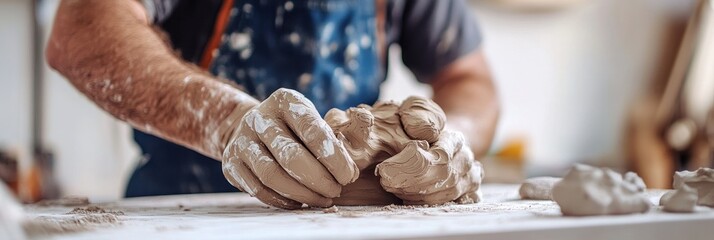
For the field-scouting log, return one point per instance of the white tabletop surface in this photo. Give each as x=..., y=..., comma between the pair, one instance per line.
x=501, y=215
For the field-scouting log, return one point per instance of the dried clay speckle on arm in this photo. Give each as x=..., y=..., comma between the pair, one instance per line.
x=119, y=62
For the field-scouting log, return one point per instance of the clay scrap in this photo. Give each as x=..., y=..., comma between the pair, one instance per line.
x=538, y=188
x=681, y=200
x=690, y=188
x=405, y=155
x=587, y=191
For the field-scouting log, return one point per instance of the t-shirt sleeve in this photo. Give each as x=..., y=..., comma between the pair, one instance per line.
x=159, y=10
x=435, y=33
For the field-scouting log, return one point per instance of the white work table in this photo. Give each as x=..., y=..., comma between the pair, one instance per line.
x=501, y=215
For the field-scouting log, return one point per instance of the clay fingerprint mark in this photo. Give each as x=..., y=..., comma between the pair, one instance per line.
x=77, y=220
x=587, y=191
x=413, y=158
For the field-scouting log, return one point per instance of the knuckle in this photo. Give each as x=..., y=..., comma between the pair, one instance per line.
x=282, y=93
x=249, y=118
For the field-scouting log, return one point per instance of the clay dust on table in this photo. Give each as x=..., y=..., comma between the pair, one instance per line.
x=70, y=201
x=77, y=220
x=94, y=210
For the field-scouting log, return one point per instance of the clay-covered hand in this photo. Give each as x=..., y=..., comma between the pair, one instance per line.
x=285, y=154
x=444, y=172
x=414, y=158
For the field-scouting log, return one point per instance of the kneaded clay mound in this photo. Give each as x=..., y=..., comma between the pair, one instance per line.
x=587, y=190
x=690, y=188
x=405, y=155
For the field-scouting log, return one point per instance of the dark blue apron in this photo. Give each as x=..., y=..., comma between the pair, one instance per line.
x=323, y=48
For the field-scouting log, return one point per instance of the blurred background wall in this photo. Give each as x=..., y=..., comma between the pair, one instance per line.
x=566, y=78
x=16, y=77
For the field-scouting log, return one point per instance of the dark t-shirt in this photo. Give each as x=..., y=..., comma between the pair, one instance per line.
x=432, y=34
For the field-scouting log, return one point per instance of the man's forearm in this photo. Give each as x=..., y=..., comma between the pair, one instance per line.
x=109, y=52
x=468, y=96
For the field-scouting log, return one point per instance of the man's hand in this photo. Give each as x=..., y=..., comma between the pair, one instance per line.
x=425, y=163
x=445, y=172
x=285, y=154
x=437, y=166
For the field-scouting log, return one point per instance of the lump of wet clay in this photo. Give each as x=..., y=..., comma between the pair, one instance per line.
x=587, y=191
x=702, y=180
x=405, y=155
x=538, y=188
x=421, y=119
x=439, y=174
x=682, y=200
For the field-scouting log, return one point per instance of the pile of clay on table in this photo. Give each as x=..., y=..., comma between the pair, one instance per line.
x=587, y=191
x=16, y=225
x=691, y=189
x=405, y=155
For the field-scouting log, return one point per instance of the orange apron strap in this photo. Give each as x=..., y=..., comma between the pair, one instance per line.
x=218, y=29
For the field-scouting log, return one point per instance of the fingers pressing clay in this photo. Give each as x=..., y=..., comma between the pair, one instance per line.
x=304, y=120
x=422, y=118
x=255, y=188
x=587, y=190
x=290, y=153
x=435, y=176
x=297, y=161
x=464, y=192
x=230, y=172
x=681, y=200
x=702, y=180
x=538, y=188
x=396, y=138
x=257, y=158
